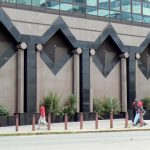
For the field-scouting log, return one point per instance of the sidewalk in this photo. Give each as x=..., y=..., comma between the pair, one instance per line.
x=74, y=127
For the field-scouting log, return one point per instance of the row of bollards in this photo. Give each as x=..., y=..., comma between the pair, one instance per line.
x=81, y=121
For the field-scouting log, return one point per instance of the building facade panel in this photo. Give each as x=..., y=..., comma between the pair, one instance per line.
x=61, y=34
x=61, y=83
x=106, y=86
x=8, y=86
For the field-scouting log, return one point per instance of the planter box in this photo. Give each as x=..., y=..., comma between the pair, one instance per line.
x=11, y=120
x=87, y=116
x=115, y=116
x=57, y=119
x=3, y=121
x=147, y=115
x=26, y=118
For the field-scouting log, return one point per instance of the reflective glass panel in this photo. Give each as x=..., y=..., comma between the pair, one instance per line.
x=67, y=1
x=66, y=7
x=9, y=1
x=137, y=18
x=79, y=9
x=126, y=16
x=53, y=5
x=40, y=3
x=103, y=12
x=104, y=8
x=91, y=2
x=146, y=19
x=146, y=9
x=115, y=5
x=104, y=4
x=24, y=2
x=115, y=14
x=126, y=5
x=91, y=10
x=136, y=7
x=80, y=1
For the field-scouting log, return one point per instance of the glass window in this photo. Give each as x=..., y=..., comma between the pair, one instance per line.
x=146, y=19
x=91, y=10
x=104, y=4
x=53, y=5
x=137, y=18
x=126, y=5
x=115, y=5
x=136, y=6
x=146, y=9
x=91, y=2
x=79, y=9
x=104, y=8
x=66, y=7
x=103, y=12
x=24, y=2
x=67, y=1
x=9, y=1
x=40, y=3
x=126, y=16
x=115, y=14
x=80, y=1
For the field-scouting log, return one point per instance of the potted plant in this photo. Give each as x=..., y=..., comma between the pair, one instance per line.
x=105, y=105
x=70, y=107
x=52, y=106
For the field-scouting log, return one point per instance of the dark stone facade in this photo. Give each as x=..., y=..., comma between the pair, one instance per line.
x=59, y=30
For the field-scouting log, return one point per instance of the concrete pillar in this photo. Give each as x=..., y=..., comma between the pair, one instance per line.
x=39, y=48
x=124, y=56
x=137, y=56
x=76, y=75
x=92, y=53
x=20, y=74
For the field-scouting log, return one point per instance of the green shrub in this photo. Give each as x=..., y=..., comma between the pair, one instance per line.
x=105, y=105
x=52, y=103
x=146, y=102
x=71, y=105
x=97, y=106
x=3, y=111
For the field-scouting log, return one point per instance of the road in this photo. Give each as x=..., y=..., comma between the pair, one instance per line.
x=138, y=140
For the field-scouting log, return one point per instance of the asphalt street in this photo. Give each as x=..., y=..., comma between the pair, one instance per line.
x=133, y=140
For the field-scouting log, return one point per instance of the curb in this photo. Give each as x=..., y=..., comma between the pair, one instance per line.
x=71, y=132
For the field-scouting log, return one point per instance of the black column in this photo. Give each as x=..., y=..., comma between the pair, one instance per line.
x=30, y=79
x=131, y=79
x=85, y=81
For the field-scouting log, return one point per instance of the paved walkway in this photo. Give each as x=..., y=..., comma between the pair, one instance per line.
x=74, y=127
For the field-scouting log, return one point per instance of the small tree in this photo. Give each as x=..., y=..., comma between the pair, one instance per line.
x=51, y=103
x=71, y=105
x=106, y=105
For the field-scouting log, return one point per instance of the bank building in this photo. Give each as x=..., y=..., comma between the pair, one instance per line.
x=89, y=48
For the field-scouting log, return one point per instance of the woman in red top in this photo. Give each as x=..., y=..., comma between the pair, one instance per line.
x=42, y=120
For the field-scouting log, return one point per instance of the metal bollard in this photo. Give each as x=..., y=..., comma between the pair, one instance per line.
x=17, y=122
x=126, y=120
x=111, y=120
x=33, y=122
x=141, y=119
x=96, y=121
x=49, y=121
x=81, y=120
x=66, y=121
